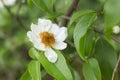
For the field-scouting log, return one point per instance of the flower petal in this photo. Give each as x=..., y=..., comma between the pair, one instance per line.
x=51, y=55
x=54, y=29
x=35, y=29
x=60, y=45
x=39, y=46
x=62, y=35
x=45, y=24
x=36, y=41
x=31, y=36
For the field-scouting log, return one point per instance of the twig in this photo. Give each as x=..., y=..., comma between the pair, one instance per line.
x=65, y=17
x=116, y=39
x=113, y=37
x=70, y=11
x=116, y=68
x=15, y=17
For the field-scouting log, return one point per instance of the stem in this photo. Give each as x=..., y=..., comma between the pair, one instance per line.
x=71, y=9
x=15, y=17
x=113, y=37
x=116, y=68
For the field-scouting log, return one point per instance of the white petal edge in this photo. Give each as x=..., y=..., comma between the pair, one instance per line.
x=62, y=35
x=60, y=45
x=40, y=46
x=9, y=2
x=36, y=41
x=31, y=36
x=35, y=29
x=46, y=24
x=54, y=29
x=51, y=55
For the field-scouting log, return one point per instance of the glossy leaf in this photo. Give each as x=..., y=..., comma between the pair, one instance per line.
x=58, y=70
x=106, y=57
x=78, y=14
x=112, y=13
x=75, y=74
x=34, y=70
x=73, y=19
x=43, y=4
x=88, y=42
x=91, y=70
x=80, y=31
x=33, y=53
x=26, y=76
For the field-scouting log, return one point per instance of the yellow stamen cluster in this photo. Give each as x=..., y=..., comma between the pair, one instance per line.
x=47, y=39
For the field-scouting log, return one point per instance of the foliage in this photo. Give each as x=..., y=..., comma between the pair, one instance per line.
x=92, y=50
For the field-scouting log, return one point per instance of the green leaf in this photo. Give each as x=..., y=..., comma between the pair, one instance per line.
x=26, y=76
x=74, y=17
x=91, y=70
x=70, y=31
x=34, y=70
x=80, y=31
x=106, y=57
x=53, y=16
x=78, y=14
x=58, y=70
x=112, y=14
x=89, y=42
x=33, y=53
x=76, y=75
x=30, y=3
x=46, y=5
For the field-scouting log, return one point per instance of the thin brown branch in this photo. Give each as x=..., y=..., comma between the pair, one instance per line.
x=99, y=31
x=65, y=17
x=14, y=16
x=70, y=11
x=116, y=68
x=116, y=39
x=113, y=37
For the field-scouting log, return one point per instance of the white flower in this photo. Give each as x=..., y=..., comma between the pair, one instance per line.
x=45, y=36
x=116, y=29
x=7, y=3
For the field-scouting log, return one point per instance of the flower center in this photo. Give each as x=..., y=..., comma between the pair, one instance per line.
x=47, y=38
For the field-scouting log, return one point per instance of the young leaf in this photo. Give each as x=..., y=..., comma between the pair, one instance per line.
x=33, y=53
x=80, y=31
x=74, y=17
x=112, y=13
x=78, y=14
x=106, y=57
x=91, y=70
x=26, y=76
x=58, y=70
x=88, y=42
x=75, y=74
x=34, y=70
x=45, y=5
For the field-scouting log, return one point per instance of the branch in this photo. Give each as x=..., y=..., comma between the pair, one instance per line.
x=15, y=17
x=116, y=68
x=113, y=37
x=70, y=11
